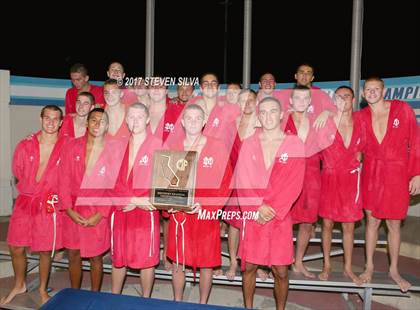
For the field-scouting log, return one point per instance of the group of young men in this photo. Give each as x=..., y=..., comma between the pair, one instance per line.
x=290, y=156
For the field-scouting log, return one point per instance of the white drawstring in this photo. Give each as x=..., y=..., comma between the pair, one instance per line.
x=152, y=232
x=243, y=226
x=52, y=201
x=54, y=216
x=112, y=233
x=358, y=182
x=176, y=242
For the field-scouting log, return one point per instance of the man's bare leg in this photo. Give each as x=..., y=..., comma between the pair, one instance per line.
x=327, y=228
x=166, y=263
x=281, y=285
x=75, y=268
x=348, y=240
x=394, y=242
x=178, y=282
x=372, y=227
x=19, y=268
x=248, y=284
x=96, y=267
x=147, y=278
x=117, y=279
x=233, y=244
x=304, y=235
x=44, y=274
x=206, y=279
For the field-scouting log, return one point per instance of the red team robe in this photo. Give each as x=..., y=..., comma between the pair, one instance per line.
x=170, y=124
x=71, y=97
x=135, y=234
x=305, y=209
x=196, y=242
x=88, y=194
x=388, y=167
x=341, y=198
x=279, y=187
x=31, y=225
x=67, y=128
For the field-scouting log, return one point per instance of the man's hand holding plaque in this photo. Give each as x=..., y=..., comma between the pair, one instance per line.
x=139, y=202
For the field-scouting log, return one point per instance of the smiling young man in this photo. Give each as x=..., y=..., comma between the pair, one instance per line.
x=391, y=171
x=35, y=221
x=269, y=179
x=340, y=179
x=90, y=167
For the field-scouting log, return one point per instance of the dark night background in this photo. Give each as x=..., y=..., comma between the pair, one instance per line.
x=189, y=38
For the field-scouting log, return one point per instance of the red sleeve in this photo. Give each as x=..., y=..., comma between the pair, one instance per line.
x=64, y=180
x=18, y=164
x=414, y=144
x=218, y=196
x=69, y=105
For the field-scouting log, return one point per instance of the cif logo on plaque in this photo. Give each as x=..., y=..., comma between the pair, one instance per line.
x=173, y=179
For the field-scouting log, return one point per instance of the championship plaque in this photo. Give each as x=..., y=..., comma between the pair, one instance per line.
x=173, y=180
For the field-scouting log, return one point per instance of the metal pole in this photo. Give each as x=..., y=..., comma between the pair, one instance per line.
x=225, y=43
x=150, y=37
x=356, y=49
x=246, y=65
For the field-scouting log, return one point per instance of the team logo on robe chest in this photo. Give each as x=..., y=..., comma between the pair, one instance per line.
x=77, y=158
x=169, y=127
x=31, y=158
x=283, y=158
x=396, y=123
x=102, y=171
x=358, y=141
x=144, y=161
x=310, y=109
x=208, y=162
x=216, y=122
x=58, y=161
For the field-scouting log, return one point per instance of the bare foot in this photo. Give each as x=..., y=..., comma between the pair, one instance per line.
x=366, y=276
x=350, y=274
x=218, y=271
x=44, y=297
x=325, y=274
x=188, y=270
x=300, y=268
x=270, y=275
x=15, y=291
x=167, y=265
x=262, y=274
x=402, y=283
x=231, y=273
